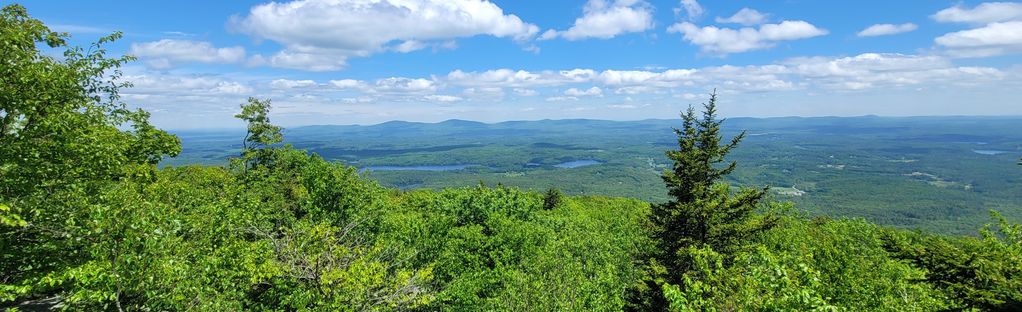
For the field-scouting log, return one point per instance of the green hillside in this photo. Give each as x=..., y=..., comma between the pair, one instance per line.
x=910, y=172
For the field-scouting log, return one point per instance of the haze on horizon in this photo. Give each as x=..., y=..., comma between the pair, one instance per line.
x=352, y=62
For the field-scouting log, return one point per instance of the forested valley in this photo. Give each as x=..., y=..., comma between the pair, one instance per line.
x=90, y=222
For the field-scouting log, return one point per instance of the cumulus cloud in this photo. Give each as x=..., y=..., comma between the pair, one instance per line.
x=990, y=40
x=886, y=29
x=442, y=98
x=409, y=46
x=1000, y=34
x=503, y=77
x=320, y=35
x=525, y=92
x=290, y=84
x=348, y=84
x=745, y=16
x=692, y=9
x=603, y=20
x=490, y=93
x=195, y=85
x=981, y=14
x=169, y=52
x=723, y=41
x=561, y=98
x=870, y=70
x=594, y=91
x=464, y=91
x=404, y=85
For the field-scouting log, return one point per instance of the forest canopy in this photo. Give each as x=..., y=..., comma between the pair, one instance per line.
x=88, y=221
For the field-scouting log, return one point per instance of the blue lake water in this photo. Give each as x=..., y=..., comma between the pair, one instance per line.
x=989, y=152
x=578, y=163
x=419, y=168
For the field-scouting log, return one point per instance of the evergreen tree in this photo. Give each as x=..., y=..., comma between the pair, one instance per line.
x=552, y=198
x=704, y=211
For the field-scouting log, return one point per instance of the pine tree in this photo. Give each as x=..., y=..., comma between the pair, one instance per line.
x=552, y=198
x=704, y=211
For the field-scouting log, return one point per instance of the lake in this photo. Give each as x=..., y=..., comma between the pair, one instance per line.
x=578, y=163
x=989, y=152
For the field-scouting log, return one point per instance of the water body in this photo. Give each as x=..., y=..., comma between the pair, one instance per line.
x=578, y=163
x=419, y=168
x=989, y=152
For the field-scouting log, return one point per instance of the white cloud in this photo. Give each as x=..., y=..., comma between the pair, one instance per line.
x=290, y=84
x=196, y=85
x=990, y=40
x=525, y=92
x=723, y=41
x=981, y=14
x=745, y=16
x=634, y=90
x=502, y=77
x=824, y=79
x=442, y=98
x=886, y=29
x=604, y=20
x=594, y=91
x=693, y=10
x=169, y=52
x=404, y=85
x=871, y=70
x=561, y=98
x=320, y=35
x=302, y=61
x=348, y=84
x=491, y=93
x=231, y=87
x=409, y=46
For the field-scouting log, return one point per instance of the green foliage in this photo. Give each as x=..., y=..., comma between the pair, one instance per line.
x=705, y=223
x=64, y=144
x=983, y=272
x=88, y=222
x=703, y=212
x=498, y=249
x=552, y=198
x=261, y=133
x=803, y=265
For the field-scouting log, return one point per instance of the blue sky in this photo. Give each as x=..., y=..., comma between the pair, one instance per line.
x=364, y=62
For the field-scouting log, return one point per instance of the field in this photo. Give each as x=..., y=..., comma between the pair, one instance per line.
x=936, y=173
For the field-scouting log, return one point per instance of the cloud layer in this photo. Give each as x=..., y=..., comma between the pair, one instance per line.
x=745, y=16
x=886, y=29
x=603, y=20
x=168, y=52
x=1001, y=34
x=723, y=41
x=320, y=35
x=983, y=13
